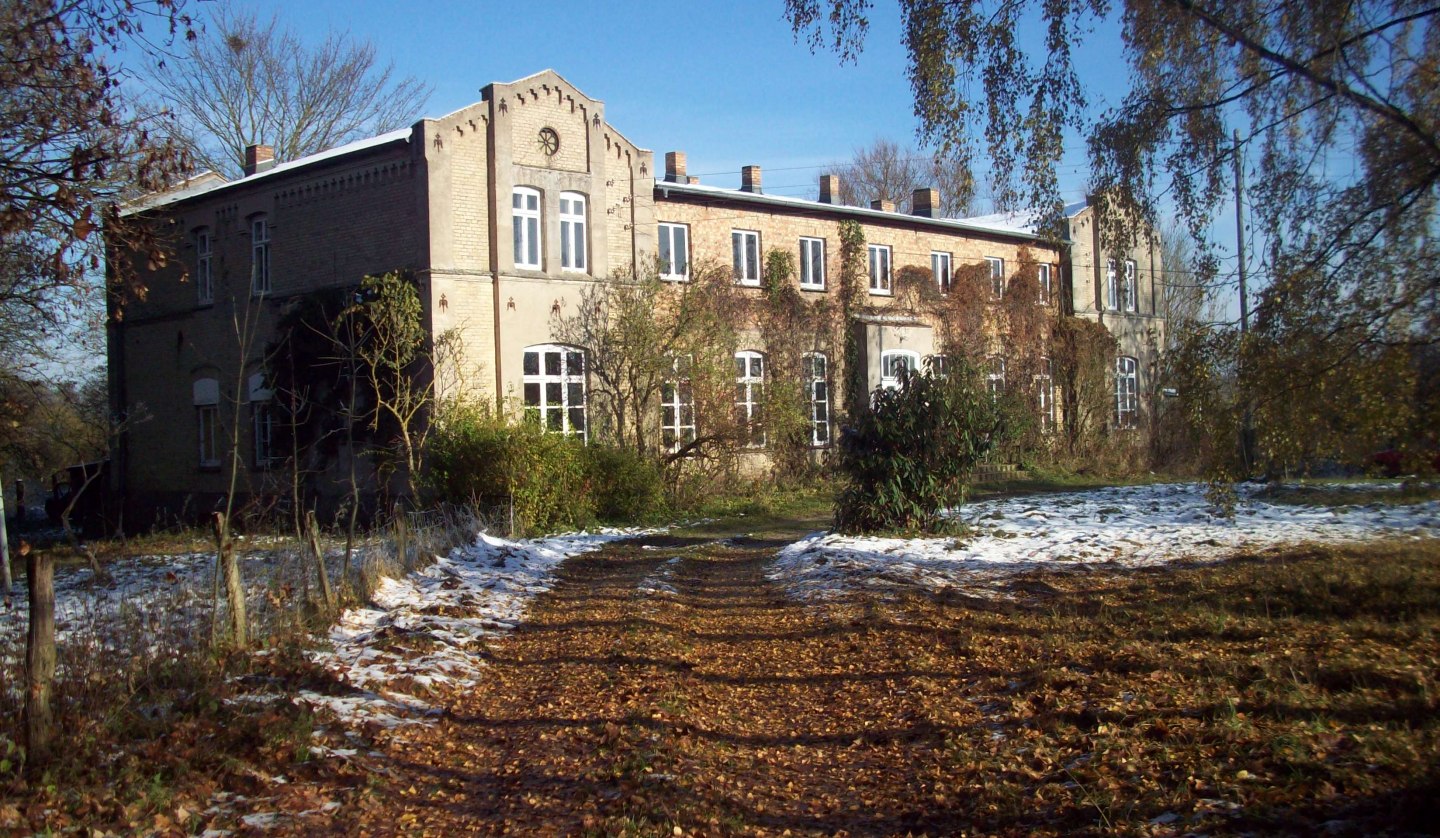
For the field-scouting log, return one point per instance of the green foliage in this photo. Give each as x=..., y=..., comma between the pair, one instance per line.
x=790, y=327
x=1084, y=367
x=912, y=453
x=627, y=488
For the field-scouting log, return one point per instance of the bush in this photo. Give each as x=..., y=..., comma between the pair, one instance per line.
x=625, y=486
x=911, y=454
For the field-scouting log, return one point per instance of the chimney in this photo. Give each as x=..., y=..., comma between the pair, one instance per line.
x=882, y=205
x=750, y=179
x=925, y=203
x=829, y=189
x=692, y=178
x=675, y=167
x=259, y=158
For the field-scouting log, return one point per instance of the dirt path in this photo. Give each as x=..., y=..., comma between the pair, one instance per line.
x=668, y=685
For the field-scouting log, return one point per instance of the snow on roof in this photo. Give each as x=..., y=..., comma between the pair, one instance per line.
x=1019, y=221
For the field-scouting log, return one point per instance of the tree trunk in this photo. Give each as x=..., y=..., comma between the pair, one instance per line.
x=234, y=589
x=313, y=532
x=402, y=545
x=5, y=547
x=39, y=657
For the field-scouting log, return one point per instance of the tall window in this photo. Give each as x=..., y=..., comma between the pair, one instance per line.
x=674, y=252
x=880, y=269
x=677, y=406
x=940, y=267
x=1112, y=287
x=572, y=232
x=938, y=365
x=1127, y=392
x=525, y=219
x=750, y=395
x=812, y=263
x=895, y=365
x=204, y=273
x=262, y=419
x=1042, y=279
x=554, y=381
x=745, y=246
x=817, y=382
x=206, y=398
x=1128, y=297
x=260, y=255
x=995, y=266
x=1045, y=395
x=995, y=377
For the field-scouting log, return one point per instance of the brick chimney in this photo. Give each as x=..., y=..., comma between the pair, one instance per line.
x=882, y=205
x=750, y=179
x=259, y=158
x=675, y=167
x=829, y=189
x=925, y=203
x=692, y=178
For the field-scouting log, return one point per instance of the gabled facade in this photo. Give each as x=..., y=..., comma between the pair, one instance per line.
x=504, y=212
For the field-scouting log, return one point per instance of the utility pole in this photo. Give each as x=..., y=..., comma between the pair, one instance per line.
x=1247, y=432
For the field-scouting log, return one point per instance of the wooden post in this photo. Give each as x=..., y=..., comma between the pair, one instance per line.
x=313, y=532
x=39, y=657
x=230, y=566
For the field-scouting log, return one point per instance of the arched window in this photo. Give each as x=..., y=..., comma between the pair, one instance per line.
x=554, y=388
x=525, y=219
x=205, y=395
x=677, y=406
x=259, y=255
x=204, y=273
x=1127, y=391
x=895, y=364
x=1045, y=395
x=572, y=232
x=750, y=395
x=817, y=385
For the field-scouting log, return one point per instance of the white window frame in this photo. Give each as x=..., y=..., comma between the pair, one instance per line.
x=571, y=394
x=941, y=266
x=745, y=254
x=995, y=376
x=1045, y=395
x=259, y=256
x=205, y=395
x=526, y=233
x=1044, y=277
x=889, y=376
x=817, y=390
x=677, y=406
x=750, y=395
x=1112, y=286
x=262, y=420
x=938, y=365
x=204, y=267
x=1127, y=392
x=812, y=263
x=1129, y=297
x=674, y=238
x=995, y=266
x=574, y=242
x=881, y=270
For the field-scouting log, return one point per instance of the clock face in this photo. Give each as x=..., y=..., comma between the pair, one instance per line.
x=549, y=140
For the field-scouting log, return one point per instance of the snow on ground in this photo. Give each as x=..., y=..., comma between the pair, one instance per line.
x=658, y=583
x=1120, y=527
x=425, y=630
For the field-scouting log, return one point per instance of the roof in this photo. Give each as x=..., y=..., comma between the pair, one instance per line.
x=967, y=225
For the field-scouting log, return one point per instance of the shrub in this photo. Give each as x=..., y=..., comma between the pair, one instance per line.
x=625, y=486
x=911, y=454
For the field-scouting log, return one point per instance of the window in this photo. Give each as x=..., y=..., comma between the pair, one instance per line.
x=750, y=395
x=1112, y=288
x=554, y=382
x=940, y=267
x=938, y=366
x=996, y=267
x=204, y=274
x=674, y=252
x=995, y=378
x=206, y=398
x=572, y=232
x=677, y=406
x=817, y=382
x=895, y=365
x=1128, y=297
x=1042, y=279
x=1045, y=395
x=812, y=263
x=745, y=245
x=262, y=418
x=525, y=218
x=260, y=256
x=880, y=269
x=1126, y=392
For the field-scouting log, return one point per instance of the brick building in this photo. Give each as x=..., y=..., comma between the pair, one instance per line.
x=504, y=211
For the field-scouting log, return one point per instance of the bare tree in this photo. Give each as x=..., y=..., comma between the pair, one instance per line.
x=885, y=170
x=248, y=82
